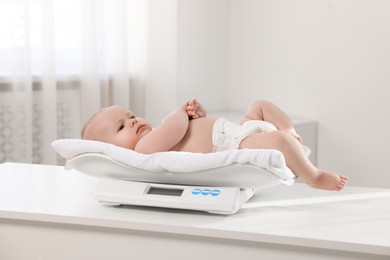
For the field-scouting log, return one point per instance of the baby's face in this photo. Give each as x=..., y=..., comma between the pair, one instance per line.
x=117, y=126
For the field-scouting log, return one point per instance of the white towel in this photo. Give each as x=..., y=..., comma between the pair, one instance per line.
x=270, y=160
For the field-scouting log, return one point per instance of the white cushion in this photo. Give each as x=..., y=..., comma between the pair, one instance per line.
x=179, y=162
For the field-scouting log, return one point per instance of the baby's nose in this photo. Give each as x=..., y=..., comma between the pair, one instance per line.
x=133, y=121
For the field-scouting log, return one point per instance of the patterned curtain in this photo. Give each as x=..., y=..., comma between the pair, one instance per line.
x=60, y=61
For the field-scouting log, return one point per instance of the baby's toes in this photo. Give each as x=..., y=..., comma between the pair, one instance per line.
x=343, y=179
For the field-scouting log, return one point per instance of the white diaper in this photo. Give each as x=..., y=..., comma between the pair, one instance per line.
x=228, y=135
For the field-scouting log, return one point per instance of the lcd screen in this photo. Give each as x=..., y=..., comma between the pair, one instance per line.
x=165, y=191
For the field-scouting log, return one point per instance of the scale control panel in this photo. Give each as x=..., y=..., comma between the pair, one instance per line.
x=166, y=191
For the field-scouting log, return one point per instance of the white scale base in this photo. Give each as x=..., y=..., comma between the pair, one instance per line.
x=217, y=200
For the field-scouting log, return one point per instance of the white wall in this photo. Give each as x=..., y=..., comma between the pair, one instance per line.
x=202, y=51
x=188, y=55
x=324, y=60
x=161, y=86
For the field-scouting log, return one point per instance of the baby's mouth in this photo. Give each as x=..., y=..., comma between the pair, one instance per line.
x=139, y=128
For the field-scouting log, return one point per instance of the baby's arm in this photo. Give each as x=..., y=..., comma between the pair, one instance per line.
x=167, y=135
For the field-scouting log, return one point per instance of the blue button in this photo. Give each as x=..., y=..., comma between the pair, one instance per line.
x=196, y=191
x=205, y=192
x=215, y=192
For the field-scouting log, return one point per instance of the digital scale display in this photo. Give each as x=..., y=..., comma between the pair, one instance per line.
x=165, y=191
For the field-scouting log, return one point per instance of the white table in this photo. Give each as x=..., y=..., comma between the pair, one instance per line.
x=49, y=213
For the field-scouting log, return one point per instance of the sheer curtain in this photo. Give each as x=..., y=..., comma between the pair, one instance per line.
x=60, y=61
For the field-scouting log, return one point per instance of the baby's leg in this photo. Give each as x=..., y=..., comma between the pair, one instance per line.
x=266, y=111
x=296, y=159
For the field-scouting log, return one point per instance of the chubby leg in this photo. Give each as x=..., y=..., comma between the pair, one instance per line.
x=266, y=111
x=296, y=159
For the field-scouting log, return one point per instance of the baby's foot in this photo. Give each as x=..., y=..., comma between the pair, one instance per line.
x=329, y=181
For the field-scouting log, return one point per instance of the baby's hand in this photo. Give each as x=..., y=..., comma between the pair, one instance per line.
x=195, y=109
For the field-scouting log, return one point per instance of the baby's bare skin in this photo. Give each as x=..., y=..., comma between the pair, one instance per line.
x=188, y=129
x=198, y=138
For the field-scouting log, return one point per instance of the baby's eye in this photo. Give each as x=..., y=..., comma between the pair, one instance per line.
x=121, y=127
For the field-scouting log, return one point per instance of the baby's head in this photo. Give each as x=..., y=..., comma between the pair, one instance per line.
x=116, y=125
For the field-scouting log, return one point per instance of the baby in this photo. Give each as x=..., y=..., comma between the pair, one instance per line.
x=189, y=129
